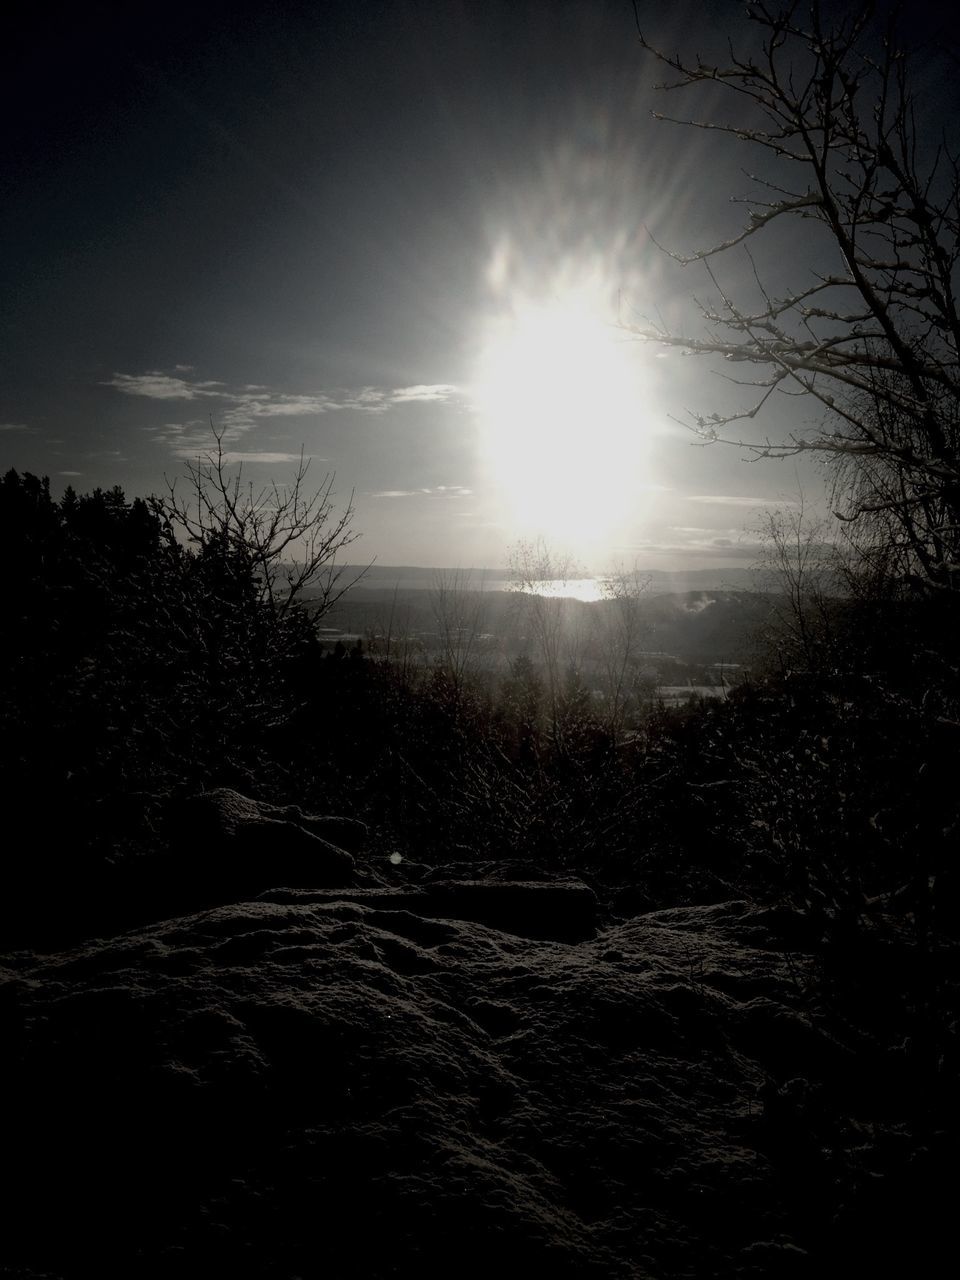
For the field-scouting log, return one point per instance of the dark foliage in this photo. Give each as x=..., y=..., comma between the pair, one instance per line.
x=130, y=666
x=820, y=799
x=134, y=668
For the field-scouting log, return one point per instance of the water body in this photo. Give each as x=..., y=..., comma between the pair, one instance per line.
x=404, y=578
x=585, y=589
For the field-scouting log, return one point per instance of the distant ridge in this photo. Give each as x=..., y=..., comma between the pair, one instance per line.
x=380, y=577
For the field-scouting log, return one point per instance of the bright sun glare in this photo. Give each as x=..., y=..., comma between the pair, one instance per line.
x=559, y=393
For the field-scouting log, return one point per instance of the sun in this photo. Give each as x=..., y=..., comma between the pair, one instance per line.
x=559, y=392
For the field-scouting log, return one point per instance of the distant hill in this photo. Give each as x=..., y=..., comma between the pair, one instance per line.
x=700, y=627
x=381, y=577
x=708, y=626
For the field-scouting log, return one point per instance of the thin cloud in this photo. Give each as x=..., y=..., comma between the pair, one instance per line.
x=195, y=442
x=161, y=386
x=173, y=428
x=255, y=405
x=727, y=501
x=709, y=537
x=719, y=548
x=424, y=392
x=258, y=401
x=366, y=400
x=438, y=491
x=231, y=457
x=242, y=407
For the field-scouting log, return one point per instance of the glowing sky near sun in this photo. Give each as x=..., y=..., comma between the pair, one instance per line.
x=559, y=391
x=399, y=237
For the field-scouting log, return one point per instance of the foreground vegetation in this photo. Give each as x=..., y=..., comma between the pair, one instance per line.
x=136, y=668
x=818, y=800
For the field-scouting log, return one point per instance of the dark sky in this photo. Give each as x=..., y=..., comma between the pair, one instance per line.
x=309, y=223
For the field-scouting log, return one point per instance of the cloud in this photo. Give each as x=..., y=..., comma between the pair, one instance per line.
x=242, y=407
x=438, y=491
x=254, y=455
x=193, y=440
x=258, y=401
x=14, y=426
x=424, y=391
x=161, y=386
x=746, y=552
x=728, y=501
x=258, y=405
x=174, y=428
x=700, y=548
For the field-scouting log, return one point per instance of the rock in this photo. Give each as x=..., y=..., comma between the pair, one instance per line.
x=355, y=1089
x=366, y=1084
x=565, y=911
x=228, y=844
x=211, y=816
x=348, y=833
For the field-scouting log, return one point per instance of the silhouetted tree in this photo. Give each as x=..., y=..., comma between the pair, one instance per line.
x=619, y=631
x=538, y=573
x=459, y=613
x=135, y=659
x=286, y=538
x=871, y=330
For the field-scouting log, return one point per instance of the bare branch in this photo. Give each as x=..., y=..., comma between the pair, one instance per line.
x=287, y=539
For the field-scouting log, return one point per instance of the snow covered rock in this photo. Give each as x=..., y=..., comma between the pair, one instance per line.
x=227, y=843
x=357, y=1089
x=564, y=910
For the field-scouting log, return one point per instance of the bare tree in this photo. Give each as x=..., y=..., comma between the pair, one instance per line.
x=620, y=631
x=459, y=610
x=284, y=536
x=539, y=575
x=829, y=113
x=805, y=567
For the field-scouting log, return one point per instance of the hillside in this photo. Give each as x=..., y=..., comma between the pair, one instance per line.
x=701, y=627
x=324, y=962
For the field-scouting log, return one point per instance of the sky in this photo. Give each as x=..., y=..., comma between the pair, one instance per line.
x=408, y=238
